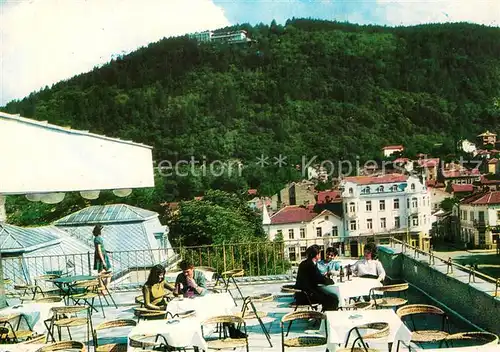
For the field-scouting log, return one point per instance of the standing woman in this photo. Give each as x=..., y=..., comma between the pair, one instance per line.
x=101, y=259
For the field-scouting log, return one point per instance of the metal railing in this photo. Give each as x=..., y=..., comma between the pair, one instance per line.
x=450, y=264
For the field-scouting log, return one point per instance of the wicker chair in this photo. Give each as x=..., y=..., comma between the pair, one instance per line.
x=475, y=338
x=25, y=289
x=88, y=291
x=115, y=347
x=389, y=302
x=372, y=331
x=62, y=346
x=224, y=341
x=248, y=311
x=358, y=306
x=66, y=317
x=103, y=290
x=302, y=299
x=49, y=300
x=150, y=314
x=305, y=340
x=11, y=334
x=225, y=279
x=424, y=336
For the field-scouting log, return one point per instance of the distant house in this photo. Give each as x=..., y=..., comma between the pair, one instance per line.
x=257, y=203
x=301, y=227
x=461, y=191
x=134, y=236
x=493, y=166
x=295, y=193
x=487, y=138
x=457, y=174
x=430, y=166
x=391, y=149
x=231, y=37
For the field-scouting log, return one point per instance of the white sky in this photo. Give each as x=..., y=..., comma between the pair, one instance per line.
x=45, y=41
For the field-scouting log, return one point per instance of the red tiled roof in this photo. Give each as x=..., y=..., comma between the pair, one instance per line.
x=391, y=147
x=489, y=198
x=293, y=214
x=333, y=195
x=368, y=180
x=493, y=161
x=401, y=160
x=431, y=183
x=463, y=173
x=428, y=162
x=462, y=188
x=486, y=181
x=252, y=191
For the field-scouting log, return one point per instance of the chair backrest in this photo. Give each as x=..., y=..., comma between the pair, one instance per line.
x=392, y=288
x=368, y=331
x=113, y=324
x=482, y=338
x=233, y=273
x=413, y=309
x=63, y=345
x=300, y=315
x=69, y=310
x=221, y=319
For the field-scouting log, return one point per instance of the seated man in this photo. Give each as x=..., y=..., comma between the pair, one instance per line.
x=190, y=282
x=369, y=266
x=309, y=277
x=329, y=265
x=156, y=289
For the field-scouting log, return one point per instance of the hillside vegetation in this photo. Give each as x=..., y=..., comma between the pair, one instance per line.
x=308, y=88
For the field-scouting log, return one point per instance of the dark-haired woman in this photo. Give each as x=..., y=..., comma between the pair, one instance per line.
x=369, y=266
x=156, y=289
x=101, y=259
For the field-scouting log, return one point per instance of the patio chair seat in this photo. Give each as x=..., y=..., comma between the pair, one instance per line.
x=305, y=341
x=391, y=302
x=428, y=335
x=265, y=297
x=249, y=314
x=143, y=341
x=20, y=334
x=357, y=349
x=112, y=347
x=226, y=343
x=70, y=322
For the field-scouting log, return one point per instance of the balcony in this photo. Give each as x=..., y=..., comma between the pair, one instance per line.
x=480, y=224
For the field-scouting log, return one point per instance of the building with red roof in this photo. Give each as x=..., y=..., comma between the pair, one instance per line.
x=301, y=227
x=479, y=216
x=388, y=150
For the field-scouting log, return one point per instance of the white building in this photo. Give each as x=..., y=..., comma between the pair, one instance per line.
x=301, y=227
x=480, y=220
x=240, y=36
x=468, y=147
x=391, y=149
x=387, y=205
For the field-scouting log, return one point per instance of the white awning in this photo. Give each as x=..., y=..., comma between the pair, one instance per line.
x=37, y=157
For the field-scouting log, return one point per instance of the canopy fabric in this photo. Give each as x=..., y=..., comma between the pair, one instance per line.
x=38, y=157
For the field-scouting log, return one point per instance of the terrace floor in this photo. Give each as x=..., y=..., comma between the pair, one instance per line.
x=275, y=309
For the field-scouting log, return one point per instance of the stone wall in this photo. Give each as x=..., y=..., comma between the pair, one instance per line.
x=479, y=307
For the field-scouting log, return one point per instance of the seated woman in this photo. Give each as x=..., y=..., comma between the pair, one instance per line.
x=155, y=289
x=369, y=266
x=329, y=265
x=190, y=282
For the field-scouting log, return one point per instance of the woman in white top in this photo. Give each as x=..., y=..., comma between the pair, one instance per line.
x=369, y=267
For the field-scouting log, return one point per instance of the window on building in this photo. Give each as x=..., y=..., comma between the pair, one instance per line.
x=480, y=216
x=326, y=217
x=352, y=225
x=290, y=234
x=335, y=231
x=352, y=207
x=394, y=188
x=369, y=224
x=367, y=189
x=291, y=254
x=425, y=219
x=397, y=222
x=383, y=223
x=464, y=215
x=471, y=216
x=319, y=232
x=302, y=233
x=414, y=202
x=412, y=187
x=303, y=252
x=498, y=216
x=279, y=233
x=396, y=203
x=408, y=203
x=351, y=191
x=369, y=205
x=381, y=204
x=414, y=221
x=380, y=189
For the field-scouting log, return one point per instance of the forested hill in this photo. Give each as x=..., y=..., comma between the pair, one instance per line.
x=310, y=87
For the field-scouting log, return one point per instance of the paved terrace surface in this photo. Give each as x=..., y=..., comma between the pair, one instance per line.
x=275, y=310
x=463, y=276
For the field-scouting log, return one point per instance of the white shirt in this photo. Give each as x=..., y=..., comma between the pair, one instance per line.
x=369, y=267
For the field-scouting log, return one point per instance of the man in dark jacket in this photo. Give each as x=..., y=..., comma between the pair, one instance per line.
x=309, y=277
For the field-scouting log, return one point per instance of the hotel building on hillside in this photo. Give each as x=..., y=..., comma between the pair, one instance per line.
x=377, y=207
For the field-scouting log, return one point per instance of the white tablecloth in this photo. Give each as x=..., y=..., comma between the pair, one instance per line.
x=491, y=348
x=340, y=322
x=187, y=332
x=21, y=348
x=35, y=313
x=355, y=288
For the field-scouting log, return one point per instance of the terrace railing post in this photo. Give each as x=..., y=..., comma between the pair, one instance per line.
x=224, y=255
x=496, y=287
x=88, y=262
x=449, y=269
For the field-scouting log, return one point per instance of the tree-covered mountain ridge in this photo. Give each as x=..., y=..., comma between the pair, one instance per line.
x=335, y=90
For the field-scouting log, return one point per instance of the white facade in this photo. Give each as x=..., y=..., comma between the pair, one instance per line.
x=385, y=205
x=475, y=217
x=388, y=151
x=323, y=230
